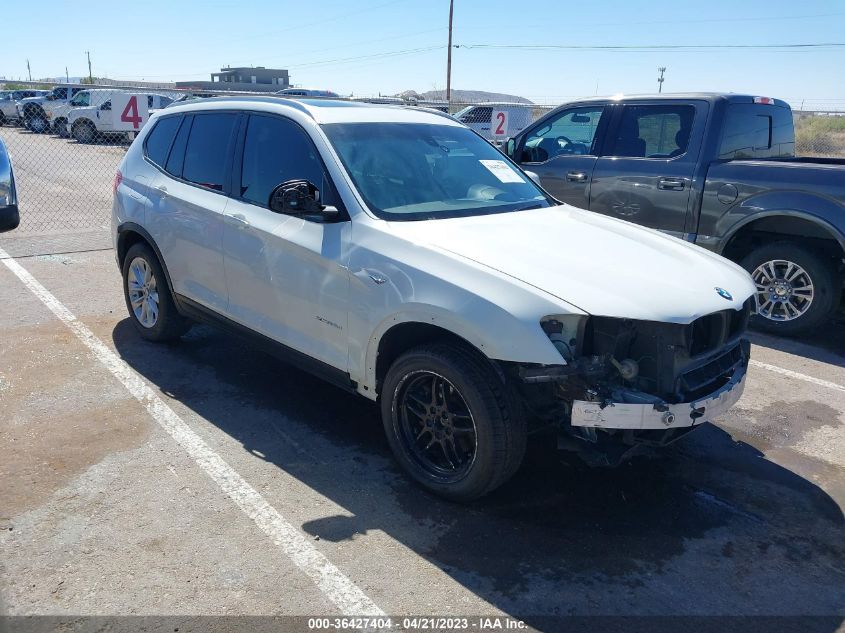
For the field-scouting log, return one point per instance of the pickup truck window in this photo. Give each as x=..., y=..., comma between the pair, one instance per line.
x=653, y=131
x=477, y=115
x=571, y=133
x=411, y=171
x=757, y=131
x=81, y=99
x=60, y=93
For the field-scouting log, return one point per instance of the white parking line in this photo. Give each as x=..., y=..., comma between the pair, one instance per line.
x=796, y=375
x=330, y=580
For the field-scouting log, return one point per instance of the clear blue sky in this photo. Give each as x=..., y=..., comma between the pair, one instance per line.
x=326, y=44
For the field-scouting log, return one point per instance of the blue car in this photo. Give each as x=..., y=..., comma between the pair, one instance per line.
x=9, y=217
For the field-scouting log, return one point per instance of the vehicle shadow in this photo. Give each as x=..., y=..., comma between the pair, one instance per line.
x=710, y=528
x=826, y=344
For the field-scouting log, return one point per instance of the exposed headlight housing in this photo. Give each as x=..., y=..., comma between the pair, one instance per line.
x=563, y=331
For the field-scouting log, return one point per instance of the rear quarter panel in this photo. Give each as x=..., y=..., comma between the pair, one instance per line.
x=739, y=192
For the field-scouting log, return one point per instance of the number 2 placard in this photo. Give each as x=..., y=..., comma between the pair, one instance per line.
x=130, y=111
x=499, y=123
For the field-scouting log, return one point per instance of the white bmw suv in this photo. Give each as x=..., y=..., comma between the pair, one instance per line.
x=399, y=255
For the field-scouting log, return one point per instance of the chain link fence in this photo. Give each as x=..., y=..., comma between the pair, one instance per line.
x=65, y=165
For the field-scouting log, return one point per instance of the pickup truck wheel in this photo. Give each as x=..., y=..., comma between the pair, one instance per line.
x=2, y=119
x=84, y=132
x=797, y=290
x=148, y=299
x=37, y=122
x=452, y=424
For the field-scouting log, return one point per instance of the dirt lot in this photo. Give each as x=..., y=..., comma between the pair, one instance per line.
x=206, y=478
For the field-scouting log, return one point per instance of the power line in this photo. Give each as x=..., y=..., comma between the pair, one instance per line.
x=649, y=47
x=343, y=60
x=698, y=21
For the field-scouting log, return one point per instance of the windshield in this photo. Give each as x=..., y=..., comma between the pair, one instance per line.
x=415, y=171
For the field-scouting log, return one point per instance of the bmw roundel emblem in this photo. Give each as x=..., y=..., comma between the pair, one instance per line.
x=724, y=293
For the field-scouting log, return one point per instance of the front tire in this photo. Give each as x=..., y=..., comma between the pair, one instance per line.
x=84, y=132
x=451, y=422
x=148, y=300
x=36, y=122
x=797, y=289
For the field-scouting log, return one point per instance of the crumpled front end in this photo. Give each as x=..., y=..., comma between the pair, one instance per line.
x=630, y=383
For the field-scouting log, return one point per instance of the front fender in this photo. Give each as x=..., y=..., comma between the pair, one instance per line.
x=498, y=337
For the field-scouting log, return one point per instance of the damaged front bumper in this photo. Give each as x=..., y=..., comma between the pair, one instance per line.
x=659, y=415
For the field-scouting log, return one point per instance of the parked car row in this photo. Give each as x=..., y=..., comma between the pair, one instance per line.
x=77, y=111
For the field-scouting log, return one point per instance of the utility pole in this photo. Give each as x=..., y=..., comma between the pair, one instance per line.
x=449, y=56
x=28, y=71
x=661, y=70
x=67, y=76
x=90, y=77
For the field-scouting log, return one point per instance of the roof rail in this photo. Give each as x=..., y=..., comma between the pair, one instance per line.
x=430, y=110
x=293, y=103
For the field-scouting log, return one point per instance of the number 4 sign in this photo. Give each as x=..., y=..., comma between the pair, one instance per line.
x=130, y=111
x=499, y=123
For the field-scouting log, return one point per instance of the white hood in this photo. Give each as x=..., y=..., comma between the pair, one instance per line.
x=604, y=266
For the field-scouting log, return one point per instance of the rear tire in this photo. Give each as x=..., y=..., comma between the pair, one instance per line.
x=148, y=300
x=451, y=422
x=797, y=289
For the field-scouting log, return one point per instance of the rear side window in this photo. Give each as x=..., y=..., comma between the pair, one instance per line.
x=208, y=148
x=276, y=150
x=160, y=138
x=653, y=131
x=757, y=131
x=177, y=153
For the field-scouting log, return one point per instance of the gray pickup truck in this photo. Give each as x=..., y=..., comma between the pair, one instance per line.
x=718, y=170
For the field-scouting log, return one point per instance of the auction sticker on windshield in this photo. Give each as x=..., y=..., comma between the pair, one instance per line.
x=501, y=170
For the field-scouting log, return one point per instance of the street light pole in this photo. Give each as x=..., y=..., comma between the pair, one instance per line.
x=449, y=56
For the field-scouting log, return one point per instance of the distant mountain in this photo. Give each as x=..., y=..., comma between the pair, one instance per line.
x=472, y=96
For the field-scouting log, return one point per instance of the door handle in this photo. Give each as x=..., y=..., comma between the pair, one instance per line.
x=239, y=219
x=162, y=190
x=670, y=184
x=576, y=176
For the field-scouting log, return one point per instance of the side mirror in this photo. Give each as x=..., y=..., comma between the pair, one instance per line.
x=106, y=106
x=9, y=216
x=533, y=176
x=300, y=197
x=510, y=146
